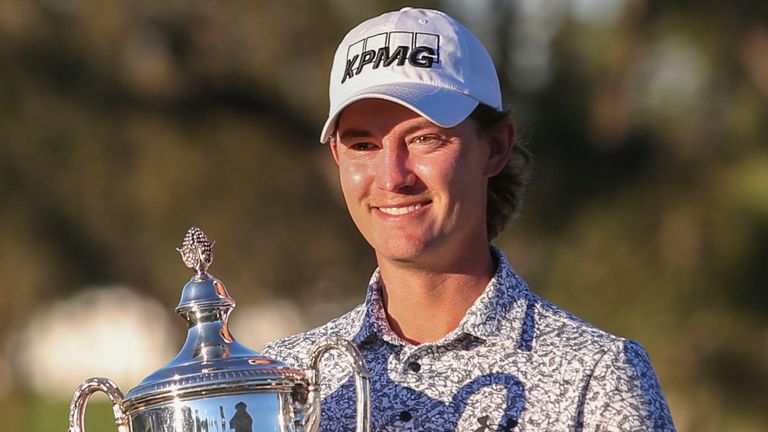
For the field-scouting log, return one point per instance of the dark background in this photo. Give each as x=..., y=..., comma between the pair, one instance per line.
x=122, y=123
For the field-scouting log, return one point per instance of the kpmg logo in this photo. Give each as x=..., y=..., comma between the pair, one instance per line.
x=384, y=49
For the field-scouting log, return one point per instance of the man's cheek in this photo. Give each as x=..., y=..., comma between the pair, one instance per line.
x=355, y=175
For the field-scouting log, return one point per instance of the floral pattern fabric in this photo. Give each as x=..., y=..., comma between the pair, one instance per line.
x=515, y=363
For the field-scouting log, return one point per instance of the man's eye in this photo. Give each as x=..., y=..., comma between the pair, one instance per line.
x=363, y=146
x=428, y=139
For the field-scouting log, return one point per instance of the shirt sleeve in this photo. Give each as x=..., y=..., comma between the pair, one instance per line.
x=624, y=393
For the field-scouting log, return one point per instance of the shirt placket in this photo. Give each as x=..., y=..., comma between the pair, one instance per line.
x=413, y=365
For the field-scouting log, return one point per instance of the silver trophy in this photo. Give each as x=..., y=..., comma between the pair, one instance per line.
x=215, y=384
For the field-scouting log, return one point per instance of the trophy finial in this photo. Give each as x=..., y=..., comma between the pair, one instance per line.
x=197, y=251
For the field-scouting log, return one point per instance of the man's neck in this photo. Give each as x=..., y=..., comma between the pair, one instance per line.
x=424, y=305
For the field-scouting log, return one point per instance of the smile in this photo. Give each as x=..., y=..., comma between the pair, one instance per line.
x=396, y=211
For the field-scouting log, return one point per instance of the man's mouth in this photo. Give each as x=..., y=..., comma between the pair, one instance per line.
x=400, y=210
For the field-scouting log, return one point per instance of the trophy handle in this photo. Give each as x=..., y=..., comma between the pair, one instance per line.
x=84, y=392
x=362, y=382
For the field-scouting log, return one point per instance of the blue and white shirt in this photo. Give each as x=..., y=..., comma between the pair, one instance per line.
x=515, y=363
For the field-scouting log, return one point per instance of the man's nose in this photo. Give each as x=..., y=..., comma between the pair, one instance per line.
x=394, y=171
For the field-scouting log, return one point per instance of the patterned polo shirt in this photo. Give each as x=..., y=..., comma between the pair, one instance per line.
x=515, y=363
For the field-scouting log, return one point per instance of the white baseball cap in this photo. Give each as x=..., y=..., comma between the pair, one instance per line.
x=420, y=58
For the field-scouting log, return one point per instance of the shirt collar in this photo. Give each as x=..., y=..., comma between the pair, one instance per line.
x=483, y=319
x=498, y=303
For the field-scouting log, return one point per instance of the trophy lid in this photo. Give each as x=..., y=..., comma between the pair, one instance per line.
x=211, y=360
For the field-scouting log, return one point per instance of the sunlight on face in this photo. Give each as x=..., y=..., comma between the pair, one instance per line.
x=414, y=189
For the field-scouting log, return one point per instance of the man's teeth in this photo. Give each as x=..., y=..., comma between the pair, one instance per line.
x=399, y=210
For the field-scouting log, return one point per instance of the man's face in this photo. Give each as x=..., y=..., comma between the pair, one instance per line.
x=415, y=190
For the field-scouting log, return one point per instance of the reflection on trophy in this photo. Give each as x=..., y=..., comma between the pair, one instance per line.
x=215, y=384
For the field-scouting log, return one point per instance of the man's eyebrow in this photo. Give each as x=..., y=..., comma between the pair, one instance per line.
x=363, y=133
x=353, y=133
x=422, y=123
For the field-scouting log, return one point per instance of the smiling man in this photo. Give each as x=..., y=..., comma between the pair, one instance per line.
x=453, y=338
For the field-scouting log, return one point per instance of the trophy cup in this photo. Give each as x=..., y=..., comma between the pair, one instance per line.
x=215, y=384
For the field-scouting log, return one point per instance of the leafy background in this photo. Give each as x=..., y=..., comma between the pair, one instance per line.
x=122, y=123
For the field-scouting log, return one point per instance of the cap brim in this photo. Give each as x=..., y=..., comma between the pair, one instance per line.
x=441, y=106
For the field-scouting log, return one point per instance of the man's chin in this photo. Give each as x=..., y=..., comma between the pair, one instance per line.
x=409, y=254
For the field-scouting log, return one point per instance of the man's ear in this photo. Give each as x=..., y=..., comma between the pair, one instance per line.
x=334, y=145
x=501, y=140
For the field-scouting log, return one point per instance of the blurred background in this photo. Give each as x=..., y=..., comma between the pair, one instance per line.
x=122, y=123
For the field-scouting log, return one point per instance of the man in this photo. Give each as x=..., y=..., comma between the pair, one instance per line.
x=450, y=333
x=241, y=421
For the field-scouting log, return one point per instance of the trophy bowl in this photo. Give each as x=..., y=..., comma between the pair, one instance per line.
x=215, y=384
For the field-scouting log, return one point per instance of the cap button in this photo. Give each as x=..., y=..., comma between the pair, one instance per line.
x=407, y=8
